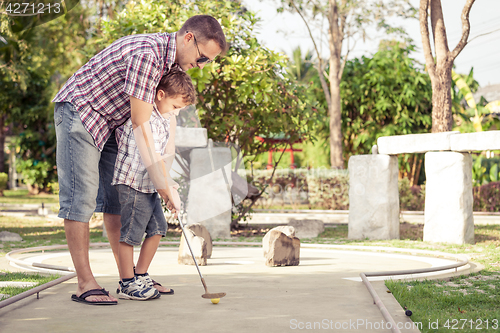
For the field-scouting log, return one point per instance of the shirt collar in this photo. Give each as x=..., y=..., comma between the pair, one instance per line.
x=171, y=49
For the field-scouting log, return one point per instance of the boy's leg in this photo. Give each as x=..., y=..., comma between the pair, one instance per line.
x=126, y=259
x=77, y=160
x=148, y=251
x=157, y=227
x=135, y=212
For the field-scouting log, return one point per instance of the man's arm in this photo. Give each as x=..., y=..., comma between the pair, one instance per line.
x=140, y=115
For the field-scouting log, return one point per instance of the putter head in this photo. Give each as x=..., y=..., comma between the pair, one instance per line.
x=215, y=295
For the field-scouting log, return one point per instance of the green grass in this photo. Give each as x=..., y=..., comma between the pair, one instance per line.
x=22, y=197
x=37, y=232
x=22, y=277
x=467, y=303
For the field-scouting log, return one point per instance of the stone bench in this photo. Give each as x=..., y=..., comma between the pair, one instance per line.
x=374, y=195
x=209, y=202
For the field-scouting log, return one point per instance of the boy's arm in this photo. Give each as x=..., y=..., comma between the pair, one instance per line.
x=140, y=115
x=169, y=153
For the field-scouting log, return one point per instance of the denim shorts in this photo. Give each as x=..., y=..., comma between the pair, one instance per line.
x=84, y=173
x=141, y=213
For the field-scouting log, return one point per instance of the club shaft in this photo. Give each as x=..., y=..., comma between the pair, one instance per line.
x=192, y=254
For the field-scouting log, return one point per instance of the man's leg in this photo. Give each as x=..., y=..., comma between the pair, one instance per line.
x=113, y=225
x=107, y=198
x=77, y=167
x=77, y=235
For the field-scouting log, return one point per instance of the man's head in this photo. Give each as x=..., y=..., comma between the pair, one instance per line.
x=199, y=41
x=174, y=92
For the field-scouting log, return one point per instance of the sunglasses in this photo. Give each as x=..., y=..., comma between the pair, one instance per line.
x=201, y=59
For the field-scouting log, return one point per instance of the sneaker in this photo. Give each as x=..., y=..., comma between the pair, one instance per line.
x=136, y=290
x=146, y=280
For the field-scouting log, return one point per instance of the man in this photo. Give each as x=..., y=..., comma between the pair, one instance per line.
x=117, y=84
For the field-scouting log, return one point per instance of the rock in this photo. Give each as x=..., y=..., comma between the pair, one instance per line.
x=199, y=230
x=199, y=247
x=280, y=249
x=287, y=230
x=448, y=198
x=414, y=143
x=307, y=228
x=373, y=197
x=6, y=236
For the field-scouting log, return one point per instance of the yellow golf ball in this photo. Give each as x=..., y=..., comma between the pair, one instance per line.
x=215, y=300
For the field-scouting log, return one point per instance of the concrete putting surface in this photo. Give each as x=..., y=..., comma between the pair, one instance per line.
x=323, y=293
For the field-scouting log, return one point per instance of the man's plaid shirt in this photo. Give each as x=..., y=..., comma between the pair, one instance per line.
x=129, y=169
x=131, y=66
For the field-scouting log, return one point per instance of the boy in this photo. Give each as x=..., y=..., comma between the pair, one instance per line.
x=141, y=209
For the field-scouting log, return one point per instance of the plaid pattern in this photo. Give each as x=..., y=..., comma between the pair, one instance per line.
x=131, y=66
x=129, y=169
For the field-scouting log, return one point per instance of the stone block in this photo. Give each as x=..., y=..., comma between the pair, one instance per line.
x=489, y=140
x=448, y=198
x=287, y=230
x=307, y=228
x=190, y=137
x=414, y=143
x=209, y=197
x=373, y=197
x=280, y=249
x=200, y=231
x=199, y=247
x=7, y=236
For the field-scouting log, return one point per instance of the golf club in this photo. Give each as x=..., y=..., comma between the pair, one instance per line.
x=206, y=294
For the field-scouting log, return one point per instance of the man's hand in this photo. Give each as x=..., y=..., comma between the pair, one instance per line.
x=172, y=199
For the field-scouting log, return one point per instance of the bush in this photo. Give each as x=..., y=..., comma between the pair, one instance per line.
x=324, y=189
x=315, y=188
x=53, y=188
x=411, y=197
x=487, y=197
x=3, y=182
x=329, y=190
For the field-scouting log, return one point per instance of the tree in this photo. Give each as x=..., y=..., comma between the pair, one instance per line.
x=479, y=115
x=440, y=64
x=33, y=59
x=387, y=94
x=244, y=94
x=301, y=69
x=346, y=19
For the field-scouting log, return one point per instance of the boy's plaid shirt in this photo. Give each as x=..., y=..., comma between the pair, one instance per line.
x=129, y=169
x=131, y=66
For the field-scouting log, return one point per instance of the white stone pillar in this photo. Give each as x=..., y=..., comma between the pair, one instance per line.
x=209, y=197
x=373, y=197
x=448, y=198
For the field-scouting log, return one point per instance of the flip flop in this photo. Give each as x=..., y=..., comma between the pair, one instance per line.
x=171, y=292
x=93, y=292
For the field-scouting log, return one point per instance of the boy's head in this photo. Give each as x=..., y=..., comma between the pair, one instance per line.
x=174, y=91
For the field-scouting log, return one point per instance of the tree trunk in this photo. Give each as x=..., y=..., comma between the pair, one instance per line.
x=440, y=65
x=336, y=158
x=336, y=36
x=442, y=118
x=2, y=143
